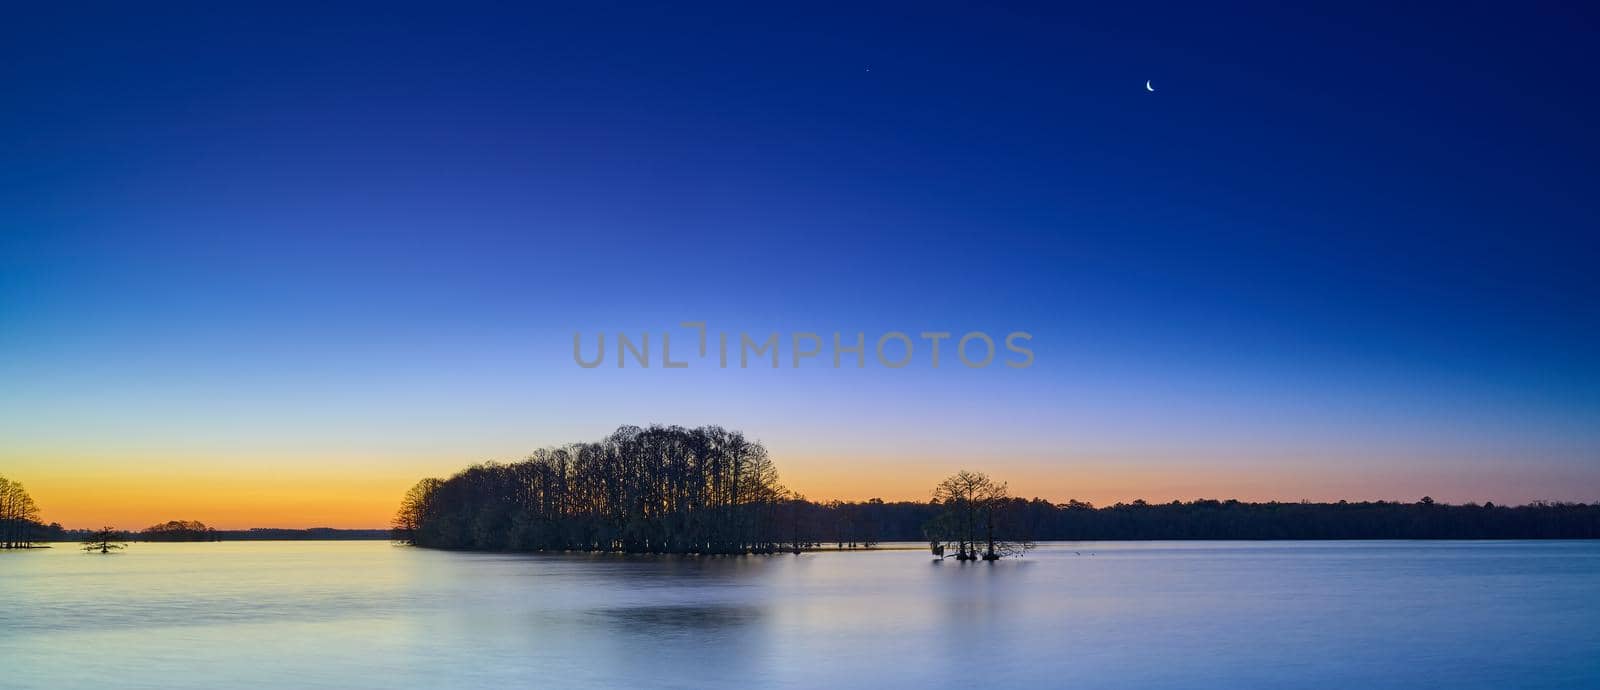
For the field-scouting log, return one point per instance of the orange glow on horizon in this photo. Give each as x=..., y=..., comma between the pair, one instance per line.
x=365, y=497
x=240, y=502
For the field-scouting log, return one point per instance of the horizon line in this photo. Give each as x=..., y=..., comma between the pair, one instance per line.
x=1089, y=505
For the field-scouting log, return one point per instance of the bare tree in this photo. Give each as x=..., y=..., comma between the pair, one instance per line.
x=104, y=540
x=19, y=515
x=972, y=519
x=413, y=510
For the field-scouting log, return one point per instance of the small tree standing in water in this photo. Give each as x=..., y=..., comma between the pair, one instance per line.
x=972, y=519
x=104, y=540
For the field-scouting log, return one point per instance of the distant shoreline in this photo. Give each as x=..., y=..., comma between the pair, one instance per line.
x=251, y=534
x=888, y=546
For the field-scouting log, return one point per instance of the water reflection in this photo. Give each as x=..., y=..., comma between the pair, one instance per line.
x=651, y=620
x=342, y=615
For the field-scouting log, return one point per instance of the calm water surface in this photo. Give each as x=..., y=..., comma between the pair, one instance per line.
x=1162, y=614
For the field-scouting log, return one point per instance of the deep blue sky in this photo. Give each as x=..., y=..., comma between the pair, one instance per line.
x=1347, y=251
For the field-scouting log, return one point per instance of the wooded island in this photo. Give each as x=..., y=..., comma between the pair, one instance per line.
x=709, y=490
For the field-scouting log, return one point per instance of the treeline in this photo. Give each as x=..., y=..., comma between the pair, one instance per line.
x=873, y=521
x=1424, y=519
x=19, y=518
x=308, y=534
x=710, y=490
x=194, y=530
x=179, y=530
x=642, y=490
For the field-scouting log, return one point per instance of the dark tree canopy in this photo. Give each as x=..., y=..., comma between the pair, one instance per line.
x=710, y=490
x=179, y=530
x=104, y=540
x=656, y=489
x=1040, y=519
x=19, y=516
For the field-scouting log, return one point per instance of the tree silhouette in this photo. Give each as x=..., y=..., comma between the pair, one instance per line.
x=179, y=530
x=104, y=540
x=655, y=490
x=973, y=520
x=19, y=516
x=712, y=491
x=414, y=508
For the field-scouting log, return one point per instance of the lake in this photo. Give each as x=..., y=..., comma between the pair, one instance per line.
x=1091, y=614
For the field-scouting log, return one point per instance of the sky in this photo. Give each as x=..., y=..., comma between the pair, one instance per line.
x=269, y=265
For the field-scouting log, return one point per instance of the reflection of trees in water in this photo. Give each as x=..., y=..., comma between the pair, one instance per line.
x=684, y=643
x=680, y=616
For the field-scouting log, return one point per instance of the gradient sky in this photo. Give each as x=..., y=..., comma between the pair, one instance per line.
x=268, y=266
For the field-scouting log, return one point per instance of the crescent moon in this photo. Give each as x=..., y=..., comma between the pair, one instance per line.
x=1148, y=87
